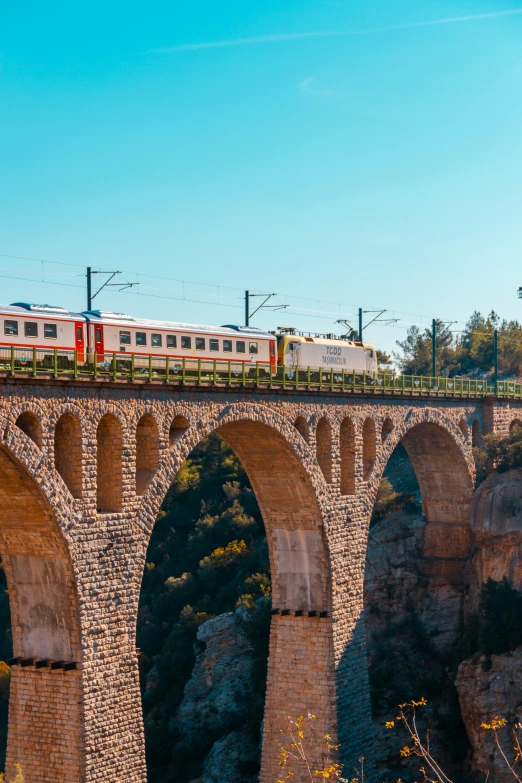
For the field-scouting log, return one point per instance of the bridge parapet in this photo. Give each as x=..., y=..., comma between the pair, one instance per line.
x=19, y=362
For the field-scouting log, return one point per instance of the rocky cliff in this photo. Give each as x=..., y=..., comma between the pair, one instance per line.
x=497, y=530
x=412, y=628
x=218, y=700
x=491, y=685
x=488, y=688
x=417, y=633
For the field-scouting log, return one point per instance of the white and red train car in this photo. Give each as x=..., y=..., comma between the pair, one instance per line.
x=42, y=326
x=97, y=332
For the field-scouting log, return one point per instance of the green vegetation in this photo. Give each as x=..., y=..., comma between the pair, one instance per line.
x=498, y=452
x=467, y=354
x=497, y=627
x=207, y=555
x=399, y=489
x=504, y=452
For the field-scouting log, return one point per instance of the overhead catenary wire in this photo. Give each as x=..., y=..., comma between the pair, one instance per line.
x=191, y=282
x=298, y=312
x=291, y=309
x=209, y=298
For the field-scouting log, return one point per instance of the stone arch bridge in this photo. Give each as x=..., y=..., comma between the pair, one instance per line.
x=84, y=468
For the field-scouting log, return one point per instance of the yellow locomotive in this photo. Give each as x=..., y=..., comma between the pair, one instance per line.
x=327, y=351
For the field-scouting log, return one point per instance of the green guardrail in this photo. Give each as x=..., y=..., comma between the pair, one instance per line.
x=17, y=361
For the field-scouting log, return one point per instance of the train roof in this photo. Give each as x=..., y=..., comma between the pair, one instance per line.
x=122, y=319
x=323, y=339
x=52, y=311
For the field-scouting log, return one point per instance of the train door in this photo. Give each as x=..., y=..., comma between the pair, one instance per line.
x=98, y=341
x=79, y=341
x=371, y=363
x=273, y=360
x=292, y=354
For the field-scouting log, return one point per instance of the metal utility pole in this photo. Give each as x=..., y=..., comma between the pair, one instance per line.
x=262, y=306
x=376, y=319
x=433, y=349
x=495, y=358
x=89, y=288
x=91, y=272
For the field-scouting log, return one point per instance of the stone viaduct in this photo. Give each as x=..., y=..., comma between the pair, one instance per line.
x=84, y=468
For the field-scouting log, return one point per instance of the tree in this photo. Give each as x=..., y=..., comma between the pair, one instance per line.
x=416, y=351
x=469, y=354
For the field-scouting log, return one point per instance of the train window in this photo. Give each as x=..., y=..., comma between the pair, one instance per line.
x=240, y=346
x=156, y=340
x=31, y=329
x=227, y=346
x=186, y=342
x=79, y=333
x=200, y=343
x=125, y=338
x=171, y=341
x=253, y=347
x=50, y=331
x=141, y=338
x=214, y=345
x=10, y=327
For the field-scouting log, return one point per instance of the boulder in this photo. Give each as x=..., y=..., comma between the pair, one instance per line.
x=218, y=697
x=233, y=759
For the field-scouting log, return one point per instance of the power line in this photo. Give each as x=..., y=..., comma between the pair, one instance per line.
x=192, y=282
x=32, y=272
x=204, y=298
x=42, y=260
x=41, y=282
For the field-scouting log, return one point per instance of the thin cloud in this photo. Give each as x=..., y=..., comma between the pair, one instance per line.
x=266, y=39
x=310, y=87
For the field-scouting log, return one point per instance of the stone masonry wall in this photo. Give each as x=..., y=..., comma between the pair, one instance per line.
x=78, y=570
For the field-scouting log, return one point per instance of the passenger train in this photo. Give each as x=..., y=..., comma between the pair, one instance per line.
x=97, y=333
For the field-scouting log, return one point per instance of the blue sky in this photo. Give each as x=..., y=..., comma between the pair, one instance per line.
x=338, y=151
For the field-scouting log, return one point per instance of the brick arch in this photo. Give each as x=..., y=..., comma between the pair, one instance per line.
x=28, y=405
x=463, y=426
x=387, y=428
x=348, y=456
x=109, y=467
x=443, y=462
x=147, y=451
x=29, y=423
x=127, y=422
x=31, y=409
x=301, y=425
x=200, y=429
x=45, y=619
x=178, y=423
x=288, y=484
x=68, y=452
x=324, y=447
x=514, y=423
x=369, y=446
x=476, y=433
